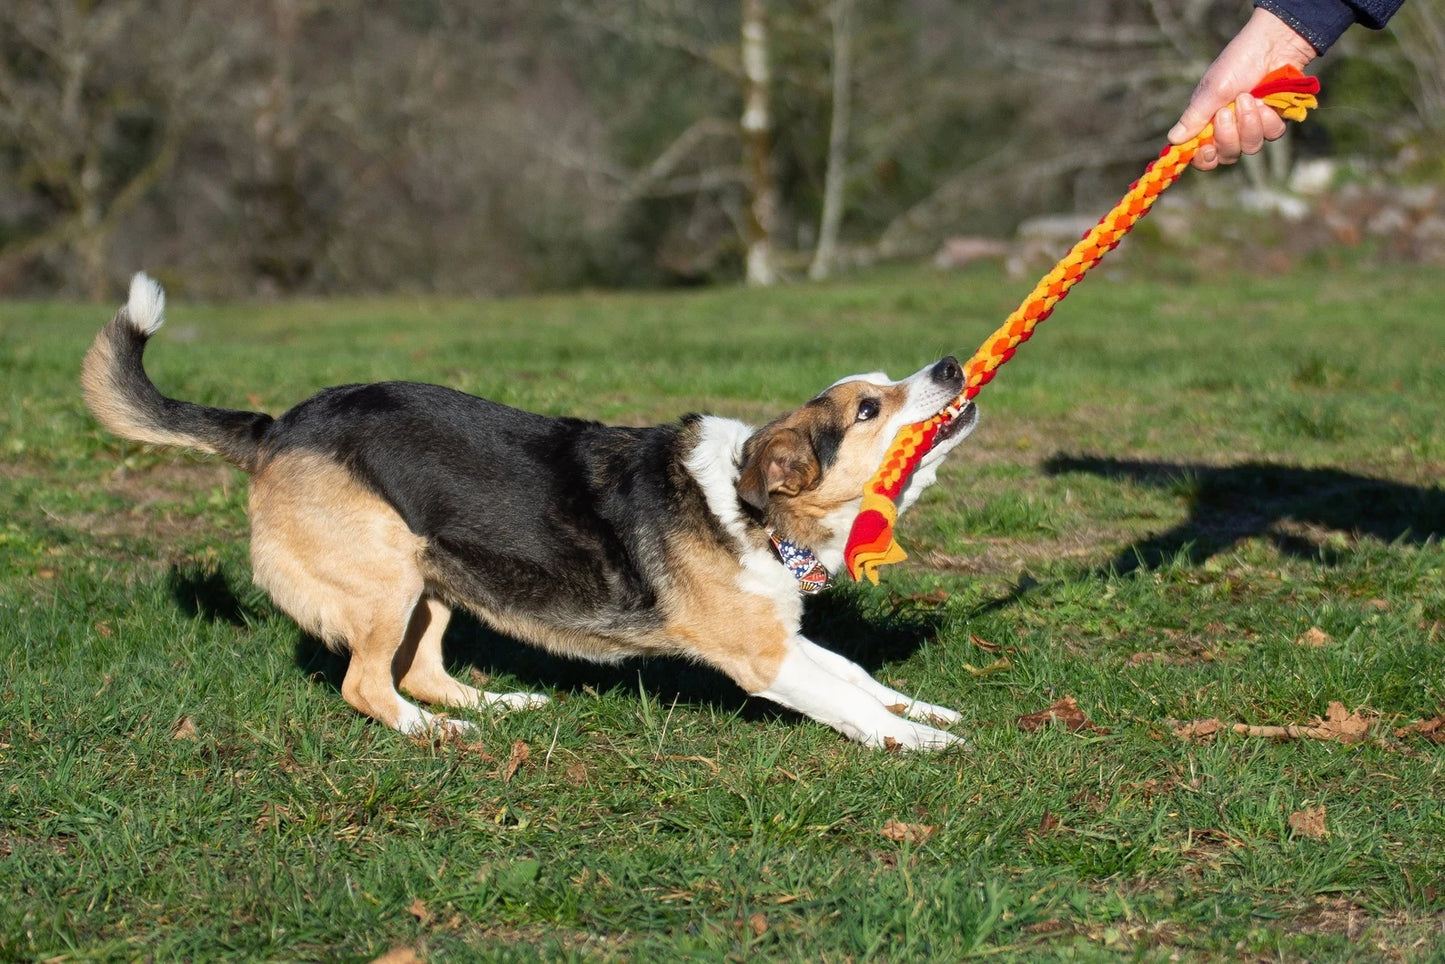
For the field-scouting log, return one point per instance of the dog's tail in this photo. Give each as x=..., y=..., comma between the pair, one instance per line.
x=122, y=398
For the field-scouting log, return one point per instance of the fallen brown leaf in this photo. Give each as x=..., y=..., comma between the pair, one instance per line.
x=1197, y=729
x=1432, y=730
x=520, y=753
x=185, y=729
x=900, y=832
x=419, y=911
x=576, y=774
x=1047, y=823
x=892, y=745
x=758, y=924
x=1313, y=637
x=1309, y=822
x=1344, y=725
x=984, y=644
x=1065, y=713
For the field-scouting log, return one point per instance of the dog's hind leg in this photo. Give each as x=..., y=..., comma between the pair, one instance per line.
x=370, y=683
x=424, y=675
x=344, y=565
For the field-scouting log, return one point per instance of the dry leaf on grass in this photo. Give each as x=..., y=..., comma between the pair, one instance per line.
x=1309, y=822
x=984, y=644
x=1314, y=637
x=185, y=729
x=1432, y=730
x=520, y=754
x=419, y=911
x=758, y=924
x=900, y=832
x=1065, y=713
x=1195, y=730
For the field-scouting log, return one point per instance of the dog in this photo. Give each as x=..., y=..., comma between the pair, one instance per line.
x=378, y=509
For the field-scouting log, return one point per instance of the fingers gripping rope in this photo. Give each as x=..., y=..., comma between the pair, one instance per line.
x=870, y=543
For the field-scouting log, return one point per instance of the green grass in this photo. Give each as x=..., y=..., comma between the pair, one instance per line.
x=1170, y=485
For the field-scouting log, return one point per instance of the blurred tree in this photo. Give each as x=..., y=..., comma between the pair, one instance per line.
x=835, y=181
x=757, y=122
x=91, y=113
x=238, y=146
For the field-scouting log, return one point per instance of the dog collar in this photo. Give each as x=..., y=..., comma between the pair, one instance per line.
x=813, y=577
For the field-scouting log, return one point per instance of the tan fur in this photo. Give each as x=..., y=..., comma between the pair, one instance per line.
x=419, y=660
x=809, y=494
x=733, y=631
x=343, y=564
x=862, y=451
x=108, y=403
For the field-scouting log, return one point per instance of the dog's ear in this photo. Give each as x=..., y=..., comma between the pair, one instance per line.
x=777, y=462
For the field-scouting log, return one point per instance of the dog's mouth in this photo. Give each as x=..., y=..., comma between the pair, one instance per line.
x=964, y=420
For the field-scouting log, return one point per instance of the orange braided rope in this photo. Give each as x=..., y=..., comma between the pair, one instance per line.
x=870, y=543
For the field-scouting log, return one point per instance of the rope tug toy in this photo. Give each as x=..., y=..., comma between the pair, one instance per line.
x=870, y=543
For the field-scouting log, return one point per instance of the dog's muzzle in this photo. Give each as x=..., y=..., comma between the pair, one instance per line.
x=963, y=422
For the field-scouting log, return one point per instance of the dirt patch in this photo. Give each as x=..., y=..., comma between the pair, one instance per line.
x=171, y=481
x=159, y=501
x=1396, y=937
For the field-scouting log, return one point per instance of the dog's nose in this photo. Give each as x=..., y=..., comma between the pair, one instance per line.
x=947, y=370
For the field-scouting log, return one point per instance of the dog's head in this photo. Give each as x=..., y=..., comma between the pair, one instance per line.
x=804, y=472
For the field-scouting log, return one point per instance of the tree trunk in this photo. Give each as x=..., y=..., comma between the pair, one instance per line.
x=836, y=178
x=757, y=146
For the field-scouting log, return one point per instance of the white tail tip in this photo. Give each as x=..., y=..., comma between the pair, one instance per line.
x=147, y=305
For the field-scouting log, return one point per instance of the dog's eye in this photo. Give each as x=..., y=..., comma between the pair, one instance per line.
x=868, y=408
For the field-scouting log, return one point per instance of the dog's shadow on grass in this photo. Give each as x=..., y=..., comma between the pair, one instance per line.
x=859, y=624
x=203, y=592
x=1296, y=509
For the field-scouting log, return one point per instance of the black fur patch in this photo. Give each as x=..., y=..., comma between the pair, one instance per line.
x=523, y=513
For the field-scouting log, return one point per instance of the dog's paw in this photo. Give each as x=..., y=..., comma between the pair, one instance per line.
x=438, y=725
x=516, y=701
x=914, y=736
x=931, y=713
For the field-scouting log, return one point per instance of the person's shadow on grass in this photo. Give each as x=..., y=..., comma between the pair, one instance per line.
x=1281, y=503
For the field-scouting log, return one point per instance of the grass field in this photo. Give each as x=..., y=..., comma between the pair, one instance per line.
x=1210, y=501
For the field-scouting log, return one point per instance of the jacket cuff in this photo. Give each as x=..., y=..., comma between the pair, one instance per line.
x=1320, y=22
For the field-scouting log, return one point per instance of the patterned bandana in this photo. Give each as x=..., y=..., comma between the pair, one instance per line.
x=812, y=575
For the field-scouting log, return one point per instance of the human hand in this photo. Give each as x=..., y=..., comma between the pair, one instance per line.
x=1265, y=43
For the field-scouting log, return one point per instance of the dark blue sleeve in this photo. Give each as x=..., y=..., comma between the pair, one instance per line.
x=1322, y=22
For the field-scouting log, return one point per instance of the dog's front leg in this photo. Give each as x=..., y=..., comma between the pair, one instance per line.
x=850, y=671
x=812, y=686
